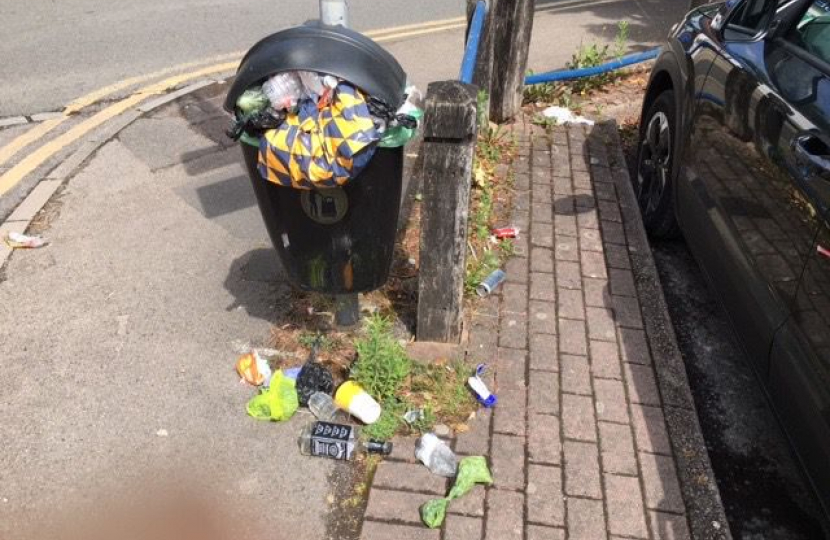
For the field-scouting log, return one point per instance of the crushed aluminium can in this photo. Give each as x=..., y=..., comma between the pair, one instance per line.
x=491, y=282
x=506, y=232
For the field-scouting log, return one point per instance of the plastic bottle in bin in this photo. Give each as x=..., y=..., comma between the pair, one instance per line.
x=338, y=441
x=284, y=90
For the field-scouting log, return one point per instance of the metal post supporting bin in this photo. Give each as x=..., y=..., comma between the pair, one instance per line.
x=337, y=241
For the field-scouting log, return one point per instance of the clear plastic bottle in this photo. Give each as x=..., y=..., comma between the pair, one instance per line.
x=436, y=455
x=284, y=90
x=322, y=406
x=338, y=441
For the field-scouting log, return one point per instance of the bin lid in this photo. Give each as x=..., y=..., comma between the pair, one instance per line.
x=334, y=50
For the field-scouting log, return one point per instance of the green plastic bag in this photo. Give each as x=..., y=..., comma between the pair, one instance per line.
x=399, y=135
x=278, y=402
x=252, y=100
x=471, y=471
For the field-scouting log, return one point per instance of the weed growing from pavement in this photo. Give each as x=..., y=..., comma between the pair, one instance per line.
x=382, y=365
x=324, y=342
x=586, y=56
x=384, y=370
x=494, y=146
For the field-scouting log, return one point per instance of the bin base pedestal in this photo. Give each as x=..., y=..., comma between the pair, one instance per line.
x=346, y=310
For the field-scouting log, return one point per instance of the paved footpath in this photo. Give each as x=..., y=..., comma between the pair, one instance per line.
x=595, y=434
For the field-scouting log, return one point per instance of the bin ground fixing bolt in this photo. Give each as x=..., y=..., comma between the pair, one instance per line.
x=334, y=12
x=346, y=310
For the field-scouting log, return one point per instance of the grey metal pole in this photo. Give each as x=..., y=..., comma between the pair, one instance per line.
x=346, y=306
x=334, y=12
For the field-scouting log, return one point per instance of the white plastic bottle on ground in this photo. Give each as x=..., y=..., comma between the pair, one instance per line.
x=436, y=455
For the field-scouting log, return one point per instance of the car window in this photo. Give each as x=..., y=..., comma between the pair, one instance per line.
x=812, y=32
x=749, y=19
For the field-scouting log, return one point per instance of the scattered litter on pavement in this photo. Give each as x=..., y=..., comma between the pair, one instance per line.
x=413, y=415
x=292, y=373
x=313, y=377
x=472, y=470
x=563, y=115
x=277, y=402
x=506, y=232
x=479, y=388
x=162, y=433
x=491, y=282
x=17, y=240
x=436, y=455
x=322, y=406
x=253, y=369
x=353, y=398
x=338, y=441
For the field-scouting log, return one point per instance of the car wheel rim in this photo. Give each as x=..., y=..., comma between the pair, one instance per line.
x=655, y=155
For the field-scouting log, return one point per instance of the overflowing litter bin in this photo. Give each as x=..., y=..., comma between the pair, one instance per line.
x=322, y=113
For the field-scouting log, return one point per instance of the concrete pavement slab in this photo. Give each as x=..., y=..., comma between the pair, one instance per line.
x=117, y=355
x=162, y=142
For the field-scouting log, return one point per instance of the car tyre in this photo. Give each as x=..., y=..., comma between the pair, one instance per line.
x=654, y=183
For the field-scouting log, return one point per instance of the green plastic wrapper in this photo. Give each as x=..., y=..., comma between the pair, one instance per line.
x=397, y=136
x=471, y=471
x=278, y=402
x=252, y=100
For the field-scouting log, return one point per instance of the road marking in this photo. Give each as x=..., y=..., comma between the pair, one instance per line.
x=9, y=179
x=29, y=137
x=416, y=26
x=40, y=130
x=14, y=175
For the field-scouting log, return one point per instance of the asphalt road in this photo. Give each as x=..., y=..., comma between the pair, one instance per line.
x=764, y=493
x=56, y=51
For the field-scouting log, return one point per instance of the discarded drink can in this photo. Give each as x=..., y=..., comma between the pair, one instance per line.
x=493, y=280
x=482, y=393
x=506, y=232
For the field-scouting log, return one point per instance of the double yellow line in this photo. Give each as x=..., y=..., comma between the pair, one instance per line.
x=215, y=65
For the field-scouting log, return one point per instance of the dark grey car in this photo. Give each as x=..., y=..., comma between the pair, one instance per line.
x=735, y=154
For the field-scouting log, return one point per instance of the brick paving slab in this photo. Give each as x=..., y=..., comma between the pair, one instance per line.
x=594, y=436
x=463, y=528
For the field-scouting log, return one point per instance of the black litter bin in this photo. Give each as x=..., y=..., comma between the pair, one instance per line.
x=339, y=240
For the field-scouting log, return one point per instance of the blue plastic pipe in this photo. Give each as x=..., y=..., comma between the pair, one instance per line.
x=468, y=65
x=566, y=75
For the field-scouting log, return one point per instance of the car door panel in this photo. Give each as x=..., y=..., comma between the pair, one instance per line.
x=798, y=384
x=799, y=381
x=739, y=205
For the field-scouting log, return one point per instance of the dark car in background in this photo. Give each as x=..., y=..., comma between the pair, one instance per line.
x=735, y=154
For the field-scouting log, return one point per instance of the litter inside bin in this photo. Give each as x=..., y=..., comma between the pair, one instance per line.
x=403, y=127
x=322, y=144
x=316, y=131
x=471, y=471
x=278, y=402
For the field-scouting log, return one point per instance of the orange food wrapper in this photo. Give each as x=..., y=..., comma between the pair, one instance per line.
x=253, y=369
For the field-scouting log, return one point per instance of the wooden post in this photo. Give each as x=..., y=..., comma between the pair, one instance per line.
x=512, y=28
x=450, y=128
x=483, y=74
